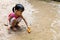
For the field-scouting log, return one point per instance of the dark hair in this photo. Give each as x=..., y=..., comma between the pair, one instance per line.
x=18, y=7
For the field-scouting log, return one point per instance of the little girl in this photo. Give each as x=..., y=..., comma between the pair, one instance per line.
x=16, y=16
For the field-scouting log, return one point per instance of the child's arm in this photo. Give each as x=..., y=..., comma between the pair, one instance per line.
x=25, y=21
x=10, y=18
x=27, y=25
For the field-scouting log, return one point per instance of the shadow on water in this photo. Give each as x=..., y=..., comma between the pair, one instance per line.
x=21, y=29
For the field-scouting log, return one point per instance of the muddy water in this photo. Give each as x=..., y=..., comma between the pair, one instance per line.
x=46, y=20
x=42, y=17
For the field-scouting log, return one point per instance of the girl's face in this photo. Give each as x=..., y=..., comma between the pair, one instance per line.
x=18, y=12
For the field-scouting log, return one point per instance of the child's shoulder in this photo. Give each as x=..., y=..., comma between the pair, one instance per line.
x=11, y=14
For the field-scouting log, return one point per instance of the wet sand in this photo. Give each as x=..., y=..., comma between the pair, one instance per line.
x=42, y=17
